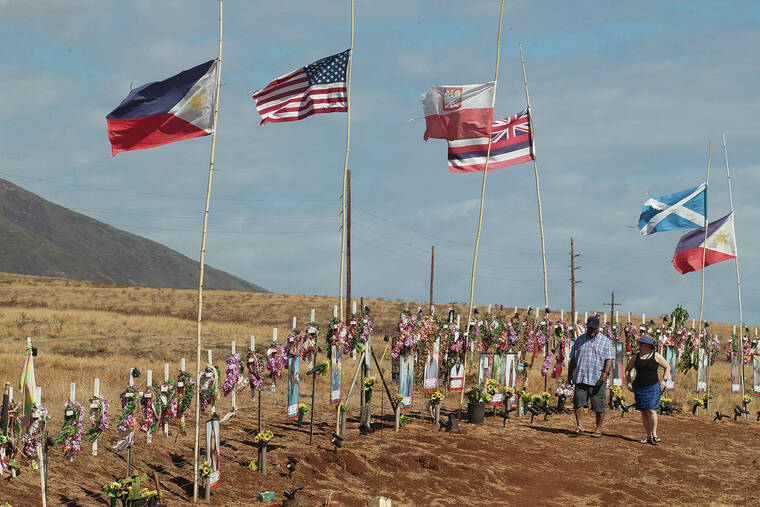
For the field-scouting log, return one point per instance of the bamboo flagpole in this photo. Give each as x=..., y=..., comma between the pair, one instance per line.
x=738, y=279
x=480, y=216
x=538, y=191
x=202, y=260
x=345, y=168
x=702, y=291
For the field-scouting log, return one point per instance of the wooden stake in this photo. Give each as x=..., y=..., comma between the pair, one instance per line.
x=348, y=247
x=41, y=454
x=72, y=397
x=345, y=163
x=702, y=290
x=95, y=393
x=234, y=389
x=480, y=216
x=196, y=446
x=166, y=380
x=149, y=394
x=535, y=172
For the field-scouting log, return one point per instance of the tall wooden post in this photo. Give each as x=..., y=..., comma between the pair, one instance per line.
x=348, y=246
x=432, y=271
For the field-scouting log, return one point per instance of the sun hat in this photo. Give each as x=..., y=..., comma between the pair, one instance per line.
x=646, y=339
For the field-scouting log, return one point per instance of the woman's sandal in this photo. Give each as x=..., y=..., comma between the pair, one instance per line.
x=657, y=439
x=644, y=441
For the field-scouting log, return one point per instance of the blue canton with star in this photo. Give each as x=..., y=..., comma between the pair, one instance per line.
x=328, y=70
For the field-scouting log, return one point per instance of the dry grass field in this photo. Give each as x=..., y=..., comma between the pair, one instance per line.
x=85, y=330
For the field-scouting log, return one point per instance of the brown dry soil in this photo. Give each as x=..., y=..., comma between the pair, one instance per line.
x=698, y=461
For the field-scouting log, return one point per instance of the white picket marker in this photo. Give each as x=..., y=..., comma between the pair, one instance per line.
x=515, y=310
x=432, y=309
x=10, y=395
x=253, y=342
x=211, y=362
x=457, y=320
x=40, y=454
x=734, y=331
x=313, y=314
x=182, y=368
x=692, y=324
x=234, y=399
x=95, y=393
x=562, y=315
x=629, y=316
x=166, y=380
x=353, y=307
x=274, y=334
x=605, y=319
x=489, y=308
x=149, y=395
x=72, y=397
x=643, y=319
x=295, y=325
x=335, y=311
x=617, y=316
x=585, y=318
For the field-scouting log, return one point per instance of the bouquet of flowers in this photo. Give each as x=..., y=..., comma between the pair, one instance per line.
x=547, y=364
x=564, y=390
x=436, y=397
x=234, y=367
x=263, y=438
x=476, y=394
x=455, y=339
x=276, y=361
x=98, y=417
x=70, y=436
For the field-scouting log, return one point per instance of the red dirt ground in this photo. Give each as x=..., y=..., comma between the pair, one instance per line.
x=698, y=461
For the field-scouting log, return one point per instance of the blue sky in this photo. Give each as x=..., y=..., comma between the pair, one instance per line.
x=625, y=99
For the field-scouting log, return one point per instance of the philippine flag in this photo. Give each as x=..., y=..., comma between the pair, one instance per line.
x=459, y=112
x=720, y=245
x=174, y=109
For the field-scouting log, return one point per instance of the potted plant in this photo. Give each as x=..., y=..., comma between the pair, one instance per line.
x=476, y=407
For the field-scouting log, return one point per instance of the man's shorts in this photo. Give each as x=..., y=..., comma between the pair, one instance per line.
x=584, y=392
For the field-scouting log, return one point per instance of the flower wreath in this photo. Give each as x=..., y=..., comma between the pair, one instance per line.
x=148, y=423
x=168, y=404
x=337, y=336
x=310, y=337
x=32, y=436
x=276, y=361
x=234, y=367
x=70, y=436
x=126, y=422
x=255, y=370
x=98, y=417
x=207, y=386
x=409, y=334
x=293, y=344
x=185, y=388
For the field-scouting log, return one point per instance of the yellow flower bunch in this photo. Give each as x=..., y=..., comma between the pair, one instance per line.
x=303, y=409
x=616, y=391
x=253, y=465
x=545, y=396
x=263, y=437
x=535, y=398
x=437, y=396
x=148, y=493
x=509, y=391
x=698, y=402
x=113, y=489
x=399, y=397
x=205, y=469
x=746, y=399
x=369, y=382
x=665, y=400
x=492, y=385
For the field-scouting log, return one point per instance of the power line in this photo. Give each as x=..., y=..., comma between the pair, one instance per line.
x=211, y=217
x=217, y=232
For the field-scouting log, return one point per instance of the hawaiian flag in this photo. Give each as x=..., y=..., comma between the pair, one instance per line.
x=511, y=144
x=177, y=108
x=317, y=88
x=28, y=384
x=459, y=112
x=720, y=246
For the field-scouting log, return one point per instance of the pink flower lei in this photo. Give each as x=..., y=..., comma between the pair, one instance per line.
x=409, y=334
x=293, y=344
x=98, y=417
x=310, y=337
x=455, y=339
x=70, y=436
x=148, y=422
x=32, y=436
x=128, y=404
x=234, y=366
x=208, y=386
x=337, y=336
x=168, y=403
x=255, y=370
x=275, y=361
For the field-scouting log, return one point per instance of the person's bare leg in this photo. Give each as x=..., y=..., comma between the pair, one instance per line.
x=599, y=422
x=579, y=419
x=654, y=424
x=645, y=421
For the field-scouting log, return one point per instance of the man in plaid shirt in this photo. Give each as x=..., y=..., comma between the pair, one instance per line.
x=591, y=361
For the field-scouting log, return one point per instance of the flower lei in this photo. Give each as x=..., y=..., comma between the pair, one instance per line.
x=168, y=404
x=613, y=332
x=293, y=344
x=455, y=339
x=70, y=436
x=98, y=417
x=547, y=364
x=409, y=334
x=337, y=336
x=491, y=331
x=33, y=435
x=184, y=392
x=207, y=386
x=234, y=366
x=276, y=360
x=128, y=405
x=428, y=335
x=148, y=422
x=255, y=370
x=310, y=337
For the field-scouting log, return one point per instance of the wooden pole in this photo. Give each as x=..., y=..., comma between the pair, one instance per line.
x=149, y=394
x=348, y=246
x=42, y=453
x=480, y=216
x=166, y=381
x=736, y=259
x=432, y=272
x=96, y=394
x=202, y=260
x=702, y=290
x=345, y=164
x=535, y=172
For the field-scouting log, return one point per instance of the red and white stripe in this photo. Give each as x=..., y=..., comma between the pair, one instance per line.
x=291, y=98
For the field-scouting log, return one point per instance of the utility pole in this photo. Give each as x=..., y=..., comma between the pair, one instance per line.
x=573, y=281
x=612, y=305
x=432, y=265
x=348, y=246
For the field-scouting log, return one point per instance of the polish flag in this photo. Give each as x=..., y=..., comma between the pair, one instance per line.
x=177, y=108
x=459, y=112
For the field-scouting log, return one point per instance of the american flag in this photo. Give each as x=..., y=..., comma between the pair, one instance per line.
x=316, y=88
x=511, y=144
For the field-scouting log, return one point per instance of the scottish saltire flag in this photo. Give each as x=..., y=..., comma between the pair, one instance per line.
x=317, y=88
x=458, y=112
x=511, y=144
x=28, y=384
x=177, y=108
x=682, y=210
x=720, y=245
